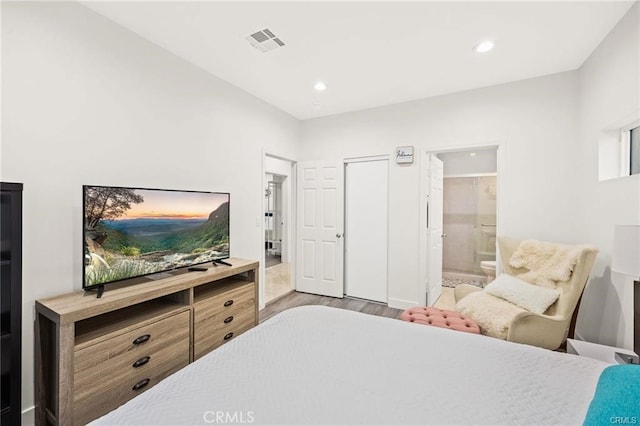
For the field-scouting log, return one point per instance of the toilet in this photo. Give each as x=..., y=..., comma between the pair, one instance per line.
x=489, y=269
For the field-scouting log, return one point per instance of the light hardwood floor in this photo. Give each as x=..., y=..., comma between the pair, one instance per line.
x=300, y=299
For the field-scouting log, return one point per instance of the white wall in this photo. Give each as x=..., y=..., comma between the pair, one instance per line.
x=534, y=120
x=88, y=102
x=609, y=92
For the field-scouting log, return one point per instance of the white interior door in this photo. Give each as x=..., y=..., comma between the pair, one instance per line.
x=434, y=228
x=320, y=186
x=366, y=224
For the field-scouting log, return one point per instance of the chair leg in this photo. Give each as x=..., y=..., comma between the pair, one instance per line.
x=572, y=327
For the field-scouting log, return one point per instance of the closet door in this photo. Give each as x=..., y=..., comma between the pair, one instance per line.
x=366, y=230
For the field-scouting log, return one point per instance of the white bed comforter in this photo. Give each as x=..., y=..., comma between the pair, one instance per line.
x=320, y=365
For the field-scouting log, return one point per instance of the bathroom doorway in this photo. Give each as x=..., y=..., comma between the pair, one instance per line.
x=469, y=216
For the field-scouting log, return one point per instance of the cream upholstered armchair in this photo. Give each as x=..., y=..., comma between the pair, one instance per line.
x=499, y=318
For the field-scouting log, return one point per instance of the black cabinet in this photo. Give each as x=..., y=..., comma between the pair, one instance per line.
x=10, y=301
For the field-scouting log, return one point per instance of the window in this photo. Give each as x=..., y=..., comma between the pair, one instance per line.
x=619, y=149
x=634, y=154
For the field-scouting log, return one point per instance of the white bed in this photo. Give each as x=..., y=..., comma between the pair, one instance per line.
x=320, y=365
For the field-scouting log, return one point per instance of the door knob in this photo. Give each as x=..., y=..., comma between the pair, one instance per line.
x=443, y=235
x=338, y=235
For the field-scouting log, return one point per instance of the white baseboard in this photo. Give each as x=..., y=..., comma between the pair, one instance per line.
x=401, y=304
x=29, y=416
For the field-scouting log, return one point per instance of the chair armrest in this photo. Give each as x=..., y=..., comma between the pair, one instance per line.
x=538, y=330
x=462, y=290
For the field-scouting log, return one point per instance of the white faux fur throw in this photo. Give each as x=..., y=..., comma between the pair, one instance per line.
x=492, y=314
x=549, y=261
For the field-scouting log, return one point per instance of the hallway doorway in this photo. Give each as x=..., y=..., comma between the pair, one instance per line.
x=273, y=220
x=278, y=220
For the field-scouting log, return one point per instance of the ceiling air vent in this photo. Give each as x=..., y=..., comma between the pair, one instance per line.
x=264, y=40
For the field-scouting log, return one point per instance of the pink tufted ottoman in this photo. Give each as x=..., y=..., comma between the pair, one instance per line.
x=440, y=318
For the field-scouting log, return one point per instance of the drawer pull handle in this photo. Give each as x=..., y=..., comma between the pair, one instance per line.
x=228, y=336
x=228, y=320
x=141, y=362
x=142, y=383
x=142, y=339
x=228, y=303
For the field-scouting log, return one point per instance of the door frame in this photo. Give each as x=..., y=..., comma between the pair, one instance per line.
x=501, y=222
x=291, y=223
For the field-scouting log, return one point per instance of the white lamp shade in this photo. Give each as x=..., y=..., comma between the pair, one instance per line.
x=626, y=250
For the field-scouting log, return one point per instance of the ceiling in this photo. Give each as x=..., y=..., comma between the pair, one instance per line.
x=370, y=54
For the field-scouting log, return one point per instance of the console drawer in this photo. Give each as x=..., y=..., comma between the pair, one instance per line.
x=217, y=330
x=225, y=302
x=215, y=323
x=106, y=372
x=130, y=346
x=95, y=404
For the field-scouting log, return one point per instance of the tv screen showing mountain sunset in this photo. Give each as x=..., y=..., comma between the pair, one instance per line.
x=129, y=232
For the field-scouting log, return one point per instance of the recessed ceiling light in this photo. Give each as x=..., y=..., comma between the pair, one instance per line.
x=473, y=154
x=315, y=106
x=320, y=86
x=484, y=46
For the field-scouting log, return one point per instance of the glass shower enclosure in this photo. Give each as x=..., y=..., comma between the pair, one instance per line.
x=469, y=222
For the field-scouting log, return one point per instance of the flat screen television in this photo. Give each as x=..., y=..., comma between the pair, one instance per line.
x=132, y=232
